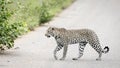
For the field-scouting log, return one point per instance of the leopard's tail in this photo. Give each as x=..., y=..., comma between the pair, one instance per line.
x=105, y=50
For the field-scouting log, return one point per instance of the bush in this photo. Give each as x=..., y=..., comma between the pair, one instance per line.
x=19, y=16
x=44, y=13
x=8, y=31
x=5, y=28
x=49, y=8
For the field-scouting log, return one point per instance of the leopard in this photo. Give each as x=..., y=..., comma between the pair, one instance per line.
x=65, y=37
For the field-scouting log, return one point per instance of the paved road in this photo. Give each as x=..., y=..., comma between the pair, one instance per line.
x=36, y=51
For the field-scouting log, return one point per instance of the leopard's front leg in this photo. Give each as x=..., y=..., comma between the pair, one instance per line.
x=64, y=52
x=55, y=52
x=58, y=48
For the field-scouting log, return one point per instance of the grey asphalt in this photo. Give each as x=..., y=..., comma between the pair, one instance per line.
x=36, y=51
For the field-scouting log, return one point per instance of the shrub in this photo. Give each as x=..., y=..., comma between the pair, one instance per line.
x=49, y=8
x=19, y=16
x=8, y=31
x=44, y=13
x=5, y=28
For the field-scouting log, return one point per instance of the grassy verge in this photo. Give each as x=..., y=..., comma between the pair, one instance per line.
x=20, y=16
x=37, y=12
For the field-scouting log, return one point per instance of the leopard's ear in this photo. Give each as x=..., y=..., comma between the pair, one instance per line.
x=53, y=28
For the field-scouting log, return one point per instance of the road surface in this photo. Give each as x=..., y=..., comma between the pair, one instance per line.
x=36, y=51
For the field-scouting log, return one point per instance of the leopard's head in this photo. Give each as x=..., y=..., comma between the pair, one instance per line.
x=53, y=31
x=50, y=32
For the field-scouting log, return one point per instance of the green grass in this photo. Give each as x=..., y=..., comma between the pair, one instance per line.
x=20, y=16
x=29, y=11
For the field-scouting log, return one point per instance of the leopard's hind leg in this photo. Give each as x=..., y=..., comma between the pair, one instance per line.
x=81, y=50
x=96, y=45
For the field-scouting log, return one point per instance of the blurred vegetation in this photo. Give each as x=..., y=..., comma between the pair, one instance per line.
x=20, y=16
